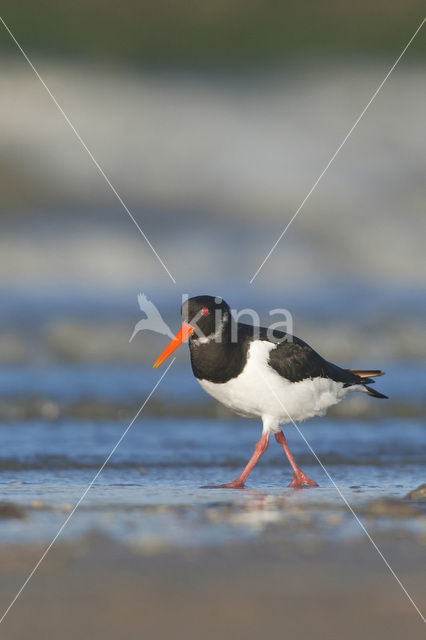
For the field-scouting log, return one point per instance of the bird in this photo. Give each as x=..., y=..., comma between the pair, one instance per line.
x=259, y=373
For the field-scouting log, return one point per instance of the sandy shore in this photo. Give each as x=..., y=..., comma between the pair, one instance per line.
x=94, y=588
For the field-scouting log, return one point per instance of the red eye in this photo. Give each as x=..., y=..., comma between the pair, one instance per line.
x=204, y=311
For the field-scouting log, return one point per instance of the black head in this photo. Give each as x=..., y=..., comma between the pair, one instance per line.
x=204, y=319
x=210, y=316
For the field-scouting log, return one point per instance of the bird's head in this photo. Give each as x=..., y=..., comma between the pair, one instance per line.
x=204, y=318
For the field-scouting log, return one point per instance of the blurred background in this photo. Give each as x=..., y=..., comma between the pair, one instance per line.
x=212, y=120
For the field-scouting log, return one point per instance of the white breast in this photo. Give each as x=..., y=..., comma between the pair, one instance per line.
x=259, y=391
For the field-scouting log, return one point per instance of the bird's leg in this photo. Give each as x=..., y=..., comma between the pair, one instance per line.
x=299, y=478
x=259, y=450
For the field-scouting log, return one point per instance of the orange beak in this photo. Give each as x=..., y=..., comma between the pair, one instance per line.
x=182, y=335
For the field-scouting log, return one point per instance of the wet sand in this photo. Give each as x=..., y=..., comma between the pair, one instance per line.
x=95, y=588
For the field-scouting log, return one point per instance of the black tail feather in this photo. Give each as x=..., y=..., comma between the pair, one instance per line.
x=365, y=377
x=375, y=394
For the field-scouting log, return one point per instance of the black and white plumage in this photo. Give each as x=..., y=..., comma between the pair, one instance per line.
x=271, y=375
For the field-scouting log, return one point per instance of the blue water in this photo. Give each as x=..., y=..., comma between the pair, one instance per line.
x=403, y=381
x=150, y=491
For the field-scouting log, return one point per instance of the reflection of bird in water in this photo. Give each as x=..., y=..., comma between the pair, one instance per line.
x=153, y=320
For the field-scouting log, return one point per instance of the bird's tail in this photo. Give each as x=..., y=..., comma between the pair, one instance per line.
x=367, y=373
x=366, y=376
x=375, y=394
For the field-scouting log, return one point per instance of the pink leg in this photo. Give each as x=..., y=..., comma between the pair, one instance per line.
x=259, y=450
x=299, y=478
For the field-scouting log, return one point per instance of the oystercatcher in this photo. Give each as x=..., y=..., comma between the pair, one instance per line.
x=261, y=373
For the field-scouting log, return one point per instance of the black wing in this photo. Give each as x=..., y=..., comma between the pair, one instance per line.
x=295, y=360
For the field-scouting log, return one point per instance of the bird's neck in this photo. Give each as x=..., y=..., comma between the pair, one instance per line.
x=216, y=360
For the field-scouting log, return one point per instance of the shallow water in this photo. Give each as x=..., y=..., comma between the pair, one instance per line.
x=60, y=419
x=151, y=494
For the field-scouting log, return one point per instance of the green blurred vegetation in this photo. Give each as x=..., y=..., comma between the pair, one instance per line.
x=211, y=33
